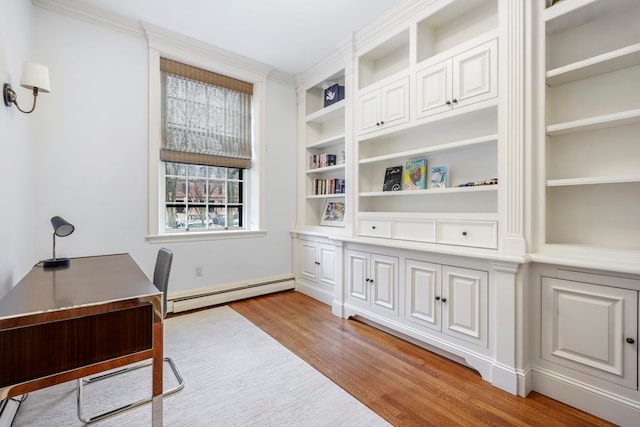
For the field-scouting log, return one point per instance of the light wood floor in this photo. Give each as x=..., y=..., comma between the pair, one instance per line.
x=403, y=383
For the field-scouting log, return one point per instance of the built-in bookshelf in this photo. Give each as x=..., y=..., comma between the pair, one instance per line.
x=590, y=81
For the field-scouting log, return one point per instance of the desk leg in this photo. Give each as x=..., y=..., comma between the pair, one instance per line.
x=156, y=400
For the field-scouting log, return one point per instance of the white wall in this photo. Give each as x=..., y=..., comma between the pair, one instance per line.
x=89, y=139
x=16, y=171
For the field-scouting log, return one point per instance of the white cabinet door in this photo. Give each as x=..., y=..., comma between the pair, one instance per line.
x=434, y=89
x=369, y=112
x=308, y=260
x=475, y=76
x=591, y=328
x=394, y=103
x=372, y=281
x=465, y=304
x=327, y=266
x=384, y=284
x=423, y=295
x=384, y=107
x=358, y=277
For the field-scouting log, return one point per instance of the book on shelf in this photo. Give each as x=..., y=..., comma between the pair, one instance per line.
x=328, y=186
x=392, y=179
x=414, y=176
x=438, y=177
x=322, y=160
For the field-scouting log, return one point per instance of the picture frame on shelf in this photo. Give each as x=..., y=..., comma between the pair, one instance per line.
x=392, y=179
x=415, y=175
x=333, y=212
x=438, y=177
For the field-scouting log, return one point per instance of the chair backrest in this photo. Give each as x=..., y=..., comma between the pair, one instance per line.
x=161, y=274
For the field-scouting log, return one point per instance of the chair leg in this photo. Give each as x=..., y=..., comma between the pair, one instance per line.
x=80, y=393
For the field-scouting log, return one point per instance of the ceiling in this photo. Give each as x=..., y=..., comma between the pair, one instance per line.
x=289, y=35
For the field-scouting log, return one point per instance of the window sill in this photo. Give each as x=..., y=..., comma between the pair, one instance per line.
x=198, y=236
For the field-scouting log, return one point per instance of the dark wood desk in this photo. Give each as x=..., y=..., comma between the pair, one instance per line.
x=63, y=324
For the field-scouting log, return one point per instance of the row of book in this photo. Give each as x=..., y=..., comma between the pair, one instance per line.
x=322, y=160
x=413, y=176
x=328, y=186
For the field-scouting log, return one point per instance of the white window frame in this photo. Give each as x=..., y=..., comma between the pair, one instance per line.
x=198, y=54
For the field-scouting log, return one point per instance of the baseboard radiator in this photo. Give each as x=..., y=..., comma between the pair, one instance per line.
x=204, y=297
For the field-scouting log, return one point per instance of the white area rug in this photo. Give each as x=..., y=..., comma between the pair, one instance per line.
x=235, y=374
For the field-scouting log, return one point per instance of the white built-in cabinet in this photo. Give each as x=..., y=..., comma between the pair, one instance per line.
x=462, y=80
x=382, y=108
x=533, y=281
x=447, y=299
x=591, y=328
x=372, y=281
x=318, y=267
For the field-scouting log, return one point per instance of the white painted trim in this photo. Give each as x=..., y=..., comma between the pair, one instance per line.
x=321, y=295
x=220, y=294
x=93, y=15
x=612, y=407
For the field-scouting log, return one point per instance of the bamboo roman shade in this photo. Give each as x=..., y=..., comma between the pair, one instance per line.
x=206, y=117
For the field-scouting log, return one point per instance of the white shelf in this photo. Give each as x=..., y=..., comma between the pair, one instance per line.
x=619, y=179
x=324, y=196
x=437, y=148
x=572, y=13
x=607, y=62
x=431, y=191
x=599, y=122
x=326, y=169
x=327, y=114
x=328, y=142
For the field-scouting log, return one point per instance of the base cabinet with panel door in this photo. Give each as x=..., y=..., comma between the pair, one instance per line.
x=447, y=299
x=464, y=79
x=372, y=281
x=585, y=340
x=591, y=328
x=318, y=268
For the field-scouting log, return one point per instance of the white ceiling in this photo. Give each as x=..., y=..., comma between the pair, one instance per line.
x=289, y=35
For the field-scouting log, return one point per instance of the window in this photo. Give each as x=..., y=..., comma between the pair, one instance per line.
x=203, y=197
x=206, y=148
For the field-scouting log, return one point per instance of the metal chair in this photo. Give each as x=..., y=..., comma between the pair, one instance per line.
x=161, y=280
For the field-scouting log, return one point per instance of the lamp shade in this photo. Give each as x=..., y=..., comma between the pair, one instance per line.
x=61, y=227
x=35, y=75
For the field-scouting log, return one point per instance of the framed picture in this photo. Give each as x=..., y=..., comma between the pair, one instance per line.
x=333, y=212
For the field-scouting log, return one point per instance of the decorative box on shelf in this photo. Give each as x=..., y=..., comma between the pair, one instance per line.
x=333, y=94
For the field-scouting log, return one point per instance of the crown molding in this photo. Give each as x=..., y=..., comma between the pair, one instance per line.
x=161, y=38
x=93, y=15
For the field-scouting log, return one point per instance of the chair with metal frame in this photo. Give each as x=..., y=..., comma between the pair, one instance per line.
x=161, y=280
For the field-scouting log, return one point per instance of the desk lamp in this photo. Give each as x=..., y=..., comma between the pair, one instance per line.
x=61, y=228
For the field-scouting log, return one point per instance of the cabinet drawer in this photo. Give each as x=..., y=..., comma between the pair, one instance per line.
x=480, y=234
x=417, y=230
x=375, y=228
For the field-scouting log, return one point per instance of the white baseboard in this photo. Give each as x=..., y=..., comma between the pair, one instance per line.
x=204, y=297
x=321, y=295
x=601, y=403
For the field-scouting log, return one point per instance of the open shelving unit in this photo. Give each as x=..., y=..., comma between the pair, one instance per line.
x=591, y=168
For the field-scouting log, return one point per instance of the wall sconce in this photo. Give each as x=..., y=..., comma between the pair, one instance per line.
x=61, y=228
x=35, y=77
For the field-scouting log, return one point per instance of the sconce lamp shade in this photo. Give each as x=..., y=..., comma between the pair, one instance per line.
x=61, y=228
x=35, y=75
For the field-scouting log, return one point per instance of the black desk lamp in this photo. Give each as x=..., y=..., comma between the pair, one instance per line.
x=61, y=228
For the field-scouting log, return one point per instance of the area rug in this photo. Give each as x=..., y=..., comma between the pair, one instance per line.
x=235, y=374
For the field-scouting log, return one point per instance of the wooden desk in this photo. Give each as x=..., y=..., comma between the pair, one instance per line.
x=63, y=324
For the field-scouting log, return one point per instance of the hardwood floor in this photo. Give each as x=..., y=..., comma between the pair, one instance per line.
x=403, y=383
